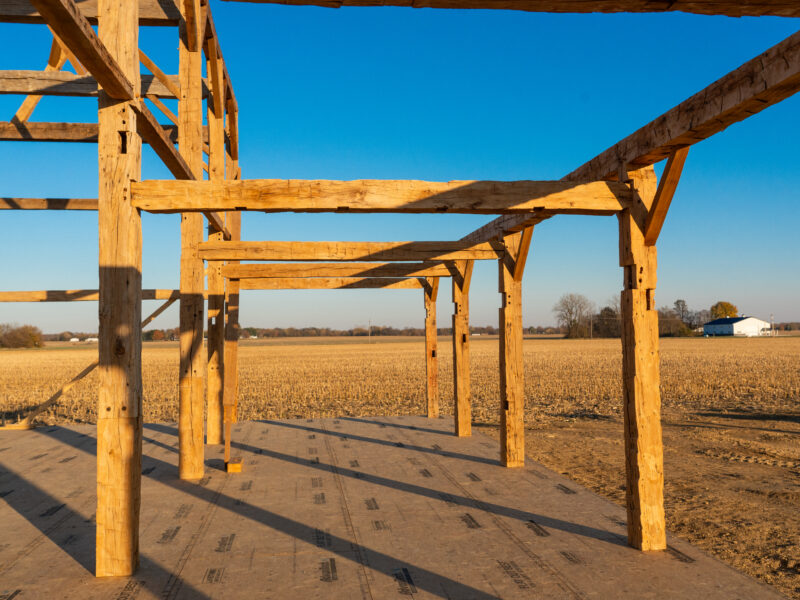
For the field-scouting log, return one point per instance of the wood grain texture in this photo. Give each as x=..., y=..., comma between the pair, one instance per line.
x=64, y=83
x=151, y=12
x=119, y=411
x=462, y=400
x=431, y=291
x=216, y=283
x=192, y=285
x=329, y=283
x=748, y=8
x=372, y=195
x=59, y=132
x=48, y=203
x=349, y=251
x=77, y=295
x=342, y=269
x=512, y=380
x=644, y=496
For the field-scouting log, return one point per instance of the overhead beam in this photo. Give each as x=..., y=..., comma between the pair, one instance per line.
x=761, y=82
x=48, y=203
x=348, y=251
x=59, y=132
x=295, y=195
x=162, y=13
x=748, y=8
x=78, y=295
x=64, y=83
x=419, y=269
x=329, y=283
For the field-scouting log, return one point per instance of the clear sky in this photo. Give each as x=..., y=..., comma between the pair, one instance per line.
x=397, y=93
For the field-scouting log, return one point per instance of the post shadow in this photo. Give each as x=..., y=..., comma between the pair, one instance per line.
x=28, y=499
x=489, y=507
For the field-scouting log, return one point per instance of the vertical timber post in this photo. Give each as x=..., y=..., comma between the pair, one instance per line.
x=512, y=380
x=640, y=371
x=231, y=361
x=190, y=143
x=462, y=409
x=119, y=416
x=216, y=283
x=431, y=360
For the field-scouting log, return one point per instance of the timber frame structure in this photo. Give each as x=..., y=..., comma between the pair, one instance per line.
x=620, y=181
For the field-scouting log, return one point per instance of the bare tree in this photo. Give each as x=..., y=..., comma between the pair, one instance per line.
x=572, y=311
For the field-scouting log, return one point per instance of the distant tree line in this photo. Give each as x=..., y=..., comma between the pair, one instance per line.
x=20, y=336
x=578, y=318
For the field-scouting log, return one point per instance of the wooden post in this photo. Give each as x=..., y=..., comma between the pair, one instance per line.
x=431, y=360
x=512, y=383
x=190, y=143
x=462, y=409
x=119, y=416
x=640, y=371
x=216, y=283
x=231, y=362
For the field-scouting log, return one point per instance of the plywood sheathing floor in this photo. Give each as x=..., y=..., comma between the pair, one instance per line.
x=391, y=507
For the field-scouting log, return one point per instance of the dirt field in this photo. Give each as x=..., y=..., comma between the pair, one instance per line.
x=731, y=417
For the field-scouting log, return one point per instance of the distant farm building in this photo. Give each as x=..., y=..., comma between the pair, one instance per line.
x=738, y=326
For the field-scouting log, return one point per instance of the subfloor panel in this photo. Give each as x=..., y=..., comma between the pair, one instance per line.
x=371, y=508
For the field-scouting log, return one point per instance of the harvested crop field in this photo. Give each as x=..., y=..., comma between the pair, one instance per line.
x=731, y=417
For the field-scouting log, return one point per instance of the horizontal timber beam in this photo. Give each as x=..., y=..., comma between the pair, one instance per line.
x=77, y=295
x=746, y=8
x=59, y=132
x=330, y=283
x=151, y=12
x=349, y=251
x=296, y=195
x=759, y=83
x=48, y=203
x=64, y=83
x=419, y=269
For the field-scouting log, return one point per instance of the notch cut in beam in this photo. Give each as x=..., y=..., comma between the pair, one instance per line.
x=294, y=195
x=746, y=8
x=162, y=13
x=330, y=283
x=419, y=269
x=64, y=83
x=78, y=295
x=349, y=251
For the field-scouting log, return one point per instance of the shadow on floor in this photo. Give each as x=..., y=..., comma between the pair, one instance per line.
x=433, y=583
x=69, y=530
x=752, y=416
x=380, y=423
x=411, y=488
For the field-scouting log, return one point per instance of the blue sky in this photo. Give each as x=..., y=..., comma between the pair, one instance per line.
x=422, y=94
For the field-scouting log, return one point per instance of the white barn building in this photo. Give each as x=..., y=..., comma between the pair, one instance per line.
x=738, y=326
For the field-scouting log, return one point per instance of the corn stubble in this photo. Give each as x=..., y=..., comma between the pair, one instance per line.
x=564, y=378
